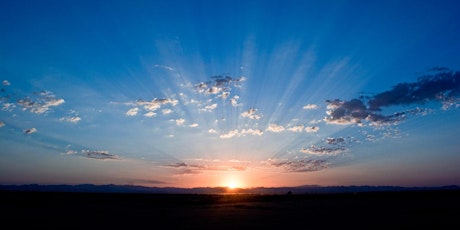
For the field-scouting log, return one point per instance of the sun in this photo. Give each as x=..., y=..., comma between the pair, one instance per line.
x=232, y=183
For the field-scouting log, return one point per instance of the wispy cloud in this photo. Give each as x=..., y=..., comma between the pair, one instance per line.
x=93, y=154
x=6, y=83
x=310, y=106
x=70, y=119
x=164, y=67
x=311, y=129
x=132, y=112
x=299, y=165
x=2, y=124
x=323, y=151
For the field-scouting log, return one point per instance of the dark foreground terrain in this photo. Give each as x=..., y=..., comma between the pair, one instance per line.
x=367, y=210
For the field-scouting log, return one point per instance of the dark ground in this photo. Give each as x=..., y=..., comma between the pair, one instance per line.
x=372, y=210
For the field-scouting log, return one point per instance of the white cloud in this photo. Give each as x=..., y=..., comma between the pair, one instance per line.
x=70, y=119
x=6, y=83
x=180, y=121
x=42, y=104
x=243, y=132
x=297, y=128
x=166, y=111
x=193, y=125
x=150, y=114
x=164, y=67
x=251, y=113
x=2, y=123
x=311, y=129
x=234, y=101
x=275, y=128
x=212, y=131
x=209, y=108
x=132, y=112
x=310, y=106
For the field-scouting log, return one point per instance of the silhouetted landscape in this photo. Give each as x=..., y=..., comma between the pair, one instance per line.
x=306, y=207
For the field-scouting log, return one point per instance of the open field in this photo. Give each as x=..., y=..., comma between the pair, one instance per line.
x=436, y=209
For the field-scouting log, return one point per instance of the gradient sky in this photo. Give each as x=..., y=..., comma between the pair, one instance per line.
x=208, y=93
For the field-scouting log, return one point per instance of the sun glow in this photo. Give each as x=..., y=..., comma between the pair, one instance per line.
x=232, y=183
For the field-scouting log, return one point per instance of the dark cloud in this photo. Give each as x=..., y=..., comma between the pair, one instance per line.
x=30, y=131
x=302, y=165
x=100, y=155
x=443, y=86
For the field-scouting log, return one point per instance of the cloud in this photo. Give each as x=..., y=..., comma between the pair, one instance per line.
x=275, y=128
x=234, y=101
x=311, y=129
x=150, y=114
x=243, y=132
x=209, y=108
x=30, y=131
x=42, y=104
x=297, y=128
x=201, y=165
x=193, y=125
x=164, y=67
x=442, y=86
x=93, y=154
x=310, y=106
x=301, y=165
x=251, y=113
x=2, y=124
x=132, y=112
x=218, y=85
x=212, y=131
x=166, y=111
x=6, y=83
x=70, y=119
x=323, y=151
x=180, y=121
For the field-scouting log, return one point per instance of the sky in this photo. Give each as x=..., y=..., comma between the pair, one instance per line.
x=230, y=93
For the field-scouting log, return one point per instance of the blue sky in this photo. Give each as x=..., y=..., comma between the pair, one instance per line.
x=212, y=93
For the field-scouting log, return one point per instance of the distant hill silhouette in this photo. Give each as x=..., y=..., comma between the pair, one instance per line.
x=306, y=189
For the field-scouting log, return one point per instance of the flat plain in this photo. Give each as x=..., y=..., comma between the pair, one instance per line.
x=366, y=210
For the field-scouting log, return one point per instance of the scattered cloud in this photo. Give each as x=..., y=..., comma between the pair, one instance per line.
x=193, y=125
x=30, y=131
x=70, y=119
x=6, y=83
x=42, y=104
x=234, y=101
x=2, y=124
x=299, y=165
x=251, y=113
x=443, y=86
x=166, y=111
x=219, y=85
x=209, y=108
